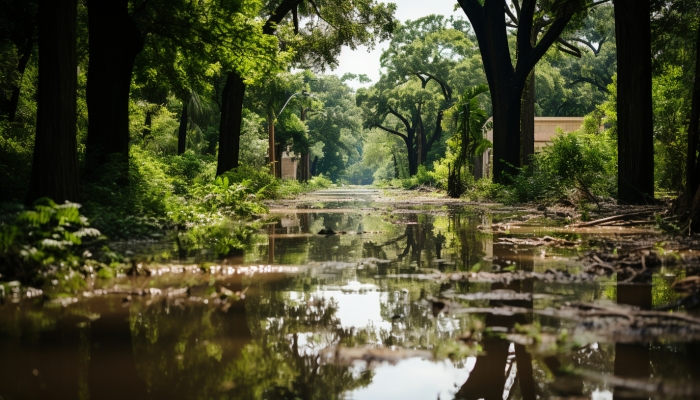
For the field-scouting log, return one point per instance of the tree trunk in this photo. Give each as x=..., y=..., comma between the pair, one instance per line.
x=506, y=133
x=436, y=134
x=506, y=83
x=304, y=167
x=412, y=159
x=635, y=142
x=527, y=120
x=693, y=165
x=694, y=218
x=278, y=159
x=182, y=130
x=313, y=166
x=230, y=125
x=304, y=159
x=55, y=164
x=396, y=166
x=114, y=42
x=421, y=148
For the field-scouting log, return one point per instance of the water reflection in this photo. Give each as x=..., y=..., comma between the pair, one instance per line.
x=274, y=342
x=488, y=379
x=633, y=360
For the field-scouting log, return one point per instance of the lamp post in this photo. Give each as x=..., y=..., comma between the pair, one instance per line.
x=271, y=119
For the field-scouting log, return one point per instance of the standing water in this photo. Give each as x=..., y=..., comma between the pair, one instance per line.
x=352, y=295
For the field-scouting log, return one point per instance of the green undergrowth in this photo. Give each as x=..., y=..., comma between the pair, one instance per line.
x=578, y=167
x=165, y=192
x=172, y=198
x=51, y=242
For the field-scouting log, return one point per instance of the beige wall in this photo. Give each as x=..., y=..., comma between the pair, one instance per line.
x=546, y=128
x=289, y=165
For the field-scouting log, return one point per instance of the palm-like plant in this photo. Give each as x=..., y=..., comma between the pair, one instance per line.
x=469, y=121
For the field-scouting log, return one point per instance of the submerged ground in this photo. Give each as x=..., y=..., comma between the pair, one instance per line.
x=362, y=294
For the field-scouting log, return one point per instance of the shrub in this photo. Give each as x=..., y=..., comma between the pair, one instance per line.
x=50, y=238
x=574, y=161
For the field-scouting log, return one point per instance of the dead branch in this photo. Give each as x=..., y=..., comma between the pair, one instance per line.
x=621, y=217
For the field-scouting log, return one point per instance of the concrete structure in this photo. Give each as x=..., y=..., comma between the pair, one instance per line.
x=288, y=164
x=545, y=130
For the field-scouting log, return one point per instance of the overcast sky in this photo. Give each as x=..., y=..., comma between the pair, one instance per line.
x=362, y=62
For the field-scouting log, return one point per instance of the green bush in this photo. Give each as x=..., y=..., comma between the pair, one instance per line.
x=16, y=151
x=49, y=239
x=574, y=161
x=259, y=180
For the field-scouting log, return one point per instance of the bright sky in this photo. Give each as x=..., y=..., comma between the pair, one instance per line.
x=362, y=62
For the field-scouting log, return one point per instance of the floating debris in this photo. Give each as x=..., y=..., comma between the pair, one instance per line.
x=506, y=278
x=544, y=241
x=499, y=294
x=372, y=354
x=631, y=266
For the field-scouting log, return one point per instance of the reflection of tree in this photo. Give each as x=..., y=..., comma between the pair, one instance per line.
x=293, y=332
x=469, y=241
x=488, y=379
x=412, y=322
x=183, y=349
x=632, y=360
x=265, y=346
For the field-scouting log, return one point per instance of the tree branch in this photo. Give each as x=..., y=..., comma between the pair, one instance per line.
x=516, y=4
x=510, y=14
x=318, y=14
x=526, y=64
x=527, y=14
x=590, y=45
x=392, y=131
x=575, y=51
x=278, y=15
x=422, y=79
x=474, y=12
x=401, y=117
x=591, y=81
x=446, y=89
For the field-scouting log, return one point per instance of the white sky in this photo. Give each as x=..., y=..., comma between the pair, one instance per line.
x=362, y=62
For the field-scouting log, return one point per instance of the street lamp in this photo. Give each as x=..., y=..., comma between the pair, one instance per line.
x=271, y=119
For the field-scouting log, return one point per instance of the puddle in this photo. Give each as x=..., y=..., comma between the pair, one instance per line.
x=399, y=301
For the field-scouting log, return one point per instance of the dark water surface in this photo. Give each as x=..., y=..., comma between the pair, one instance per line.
x=361, y=314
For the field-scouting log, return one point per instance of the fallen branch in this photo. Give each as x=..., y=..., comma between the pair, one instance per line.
x=622, y=217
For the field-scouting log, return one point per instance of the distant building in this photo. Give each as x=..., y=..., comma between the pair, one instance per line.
x=288, y=164
x=545, y=130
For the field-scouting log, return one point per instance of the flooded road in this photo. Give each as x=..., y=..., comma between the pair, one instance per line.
x=354, y=295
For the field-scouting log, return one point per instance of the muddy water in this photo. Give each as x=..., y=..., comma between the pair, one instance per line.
x=374, y=311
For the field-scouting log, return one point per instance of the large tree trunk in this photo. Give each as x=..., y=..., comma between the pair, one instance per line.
x=693, y=165
x=230, y=125
x=527, y=120
x=412, y=156
x=506, y=132
x=305, y=167
x=304, y=159
x=182, y=130
x=505, y=82
x=232, y=102
x=694, y=217
x=115, y=41
x=313, y=166
x=635, y=142
x=421, y=150
x=55, y=165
